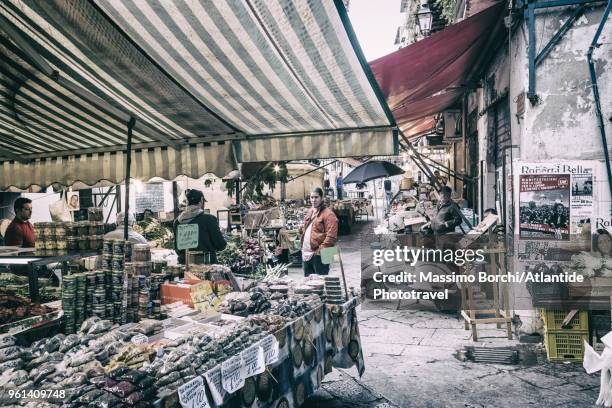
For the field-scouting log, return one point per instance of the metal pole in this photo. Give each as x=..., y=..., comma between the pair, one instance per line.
x=375, y=199
x=310, y=171
x=175, y=203
x=531, y=95
x=595, y=88
x=128, y=164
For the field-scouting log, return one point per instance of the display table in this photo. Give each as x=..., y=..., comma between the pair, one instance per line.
x=308, y=348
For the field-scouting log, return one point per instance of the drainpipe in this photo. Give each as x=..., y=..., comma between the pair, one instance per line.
x=600, y=121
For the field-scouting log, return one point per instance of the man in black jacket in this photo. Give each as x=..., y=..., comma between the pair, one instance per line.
x=447, y=214
x=210, y=238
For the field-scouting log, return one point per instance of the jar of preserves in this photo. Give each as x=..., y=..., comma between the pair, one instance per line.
x=107, y=245
x=142, y=268
x=72, y=243
x=107, y=261
x=83, y=243
x=39, y=229
x=49, y=229
x=50, y=245
x=72, y=229
x=62, y=244
x=95, y=214
x=141, y=253
x=118, y=246
x=60, y=230
x=83, y=228
x=117, y=263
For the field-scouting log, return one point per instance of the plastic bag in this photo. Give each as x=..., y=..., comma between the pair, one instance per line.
x=103, y=382
x=59, y=211
x=132, y=376
x=122, y=389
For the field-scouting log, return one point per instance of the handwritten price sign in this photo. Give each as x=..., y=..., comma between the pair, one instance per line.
x=231, y=374
x=213, y=378
x=187, y=236
x=270, y=349
x=253, y=361
x=193, y=394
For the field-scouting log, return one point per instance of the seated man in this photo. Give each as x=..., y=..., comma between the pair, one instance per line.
x=133, y=236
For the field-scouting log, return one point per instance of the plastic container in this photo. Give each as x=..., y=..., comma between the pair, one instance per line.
x=562, y=345
x=83, y=228
x=554, y=318
x=50, y=245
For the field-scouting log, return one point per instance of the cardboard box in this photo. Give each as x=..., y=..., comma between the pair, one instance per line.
x=177, y=292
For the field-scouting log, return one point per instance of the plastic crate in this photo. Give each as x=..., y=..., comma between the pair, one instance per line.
x=562, y=345
x=554, y=318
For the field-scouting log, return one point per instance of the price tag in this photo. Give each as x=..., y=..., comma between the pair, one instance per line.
x=253, y=361
x=213, y=378
x=193, y=394
x=231, y=374
x=140, y=339
x=270, y=349
x=187, y=236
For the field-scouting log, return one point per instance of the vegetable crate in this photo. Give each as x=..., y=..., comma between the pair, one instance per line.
x=565, y=345
x=554, y=318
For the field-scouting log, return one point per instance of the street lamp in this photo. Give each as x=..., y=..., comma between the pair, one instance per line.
x=424, y=18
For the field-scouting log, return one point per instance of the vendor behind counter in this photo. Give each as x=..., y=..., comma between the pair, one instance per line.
x=20, y=231
x=210, y=238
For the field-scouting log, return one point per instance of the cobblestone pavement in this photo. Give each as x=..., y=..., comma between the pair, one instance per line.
x=410, y=362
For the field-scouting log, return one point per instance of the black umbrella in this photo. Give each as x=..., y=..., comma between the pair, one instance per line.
x=372, y=170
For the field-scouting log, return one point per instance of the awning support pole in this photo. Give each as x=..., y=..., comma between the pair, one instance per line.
x=595, y=88
x=128, y=165
x=310, y=171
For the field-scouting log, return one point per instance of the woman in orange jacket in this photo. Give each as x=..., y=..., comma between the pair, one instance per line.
x=320, y=231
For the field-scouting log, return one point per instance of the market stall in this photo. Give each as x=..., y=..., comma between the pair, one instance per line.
x=271, y=345
x=170, y=123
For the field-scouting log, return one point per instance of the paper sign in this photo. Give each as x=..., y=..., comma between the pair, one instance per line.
x=140, y=339
x=231, y=374
x=270, y=349
x=187, y=236
x=193, y=394
x=253, y=361
x=213, y=378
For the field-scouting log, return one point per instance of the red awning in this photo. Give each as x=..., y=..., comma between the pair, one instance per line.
x=428, y=76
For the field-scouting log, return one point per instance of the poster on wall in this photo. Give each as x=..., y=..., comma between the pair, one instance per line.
x=556, y=208
x=544, y=206
x=150, y=198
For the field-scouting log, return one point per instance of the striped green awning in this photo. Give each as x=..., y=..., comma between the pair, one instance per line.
x=109, y=167
x=282, y=79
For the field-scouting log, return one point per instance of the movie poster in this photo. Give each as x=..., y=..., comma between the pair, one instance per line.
x=544, y=206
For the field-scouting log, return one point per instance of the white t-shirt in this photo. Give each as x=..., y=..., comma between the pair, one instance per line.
x=307, y=252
